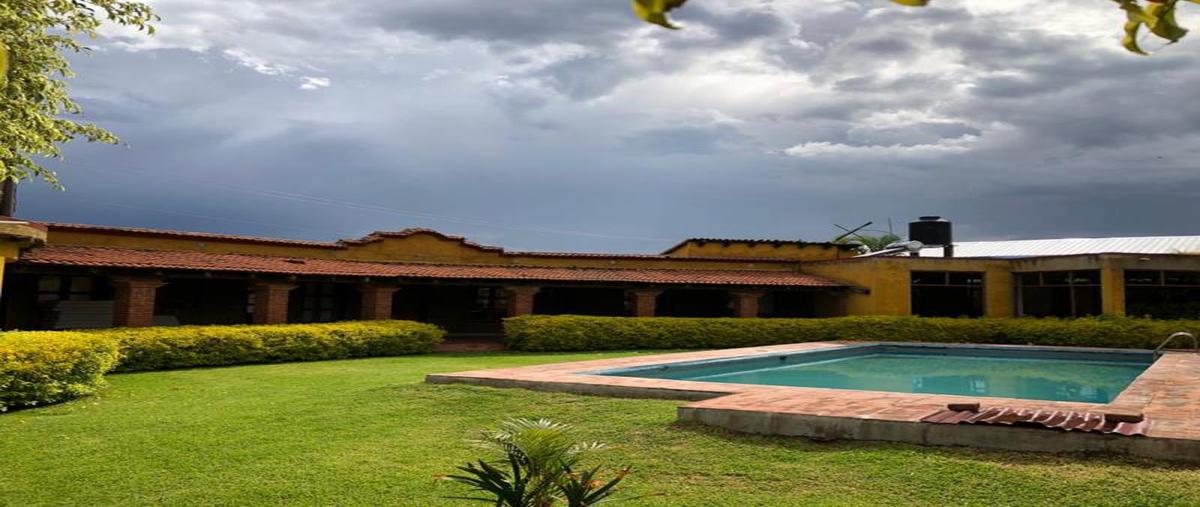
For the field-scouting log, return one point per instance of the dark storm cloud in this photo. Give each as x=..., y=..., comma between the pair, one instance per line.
x=887, y=47
x=586, y=77
x=530, y=21
x=731, y=27
x=682, y=140
x=566, y=124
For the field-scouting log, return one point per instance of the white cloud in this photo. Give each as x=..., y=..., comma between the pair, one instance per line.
x=849, y=153
x=256, y=63
x=314, y=83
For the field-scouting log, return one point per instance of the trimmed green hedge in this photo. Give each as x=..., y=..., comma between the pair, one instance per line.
x=40, y=367
x=573, y=333
x=161, y=348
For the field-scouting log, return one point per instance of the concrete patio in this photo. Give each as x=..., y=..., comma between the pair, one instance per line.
x=1168, y=394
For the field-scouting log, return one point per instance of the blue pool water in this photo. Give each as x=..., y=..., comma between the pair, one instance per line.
x=1037, y=373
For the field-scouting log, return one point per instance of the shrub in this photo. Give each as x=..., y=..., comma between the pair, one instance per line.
x=541, y=458
x=40, y=367
x=572, y=333
x=160, y=348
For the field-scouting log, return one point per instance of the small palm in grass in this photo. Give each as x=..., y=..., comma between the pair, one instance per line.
x=540, y=456
x=583, y=489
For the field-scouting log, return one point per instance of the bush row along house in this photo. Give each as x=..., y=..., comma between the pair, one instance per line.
x=62, y=276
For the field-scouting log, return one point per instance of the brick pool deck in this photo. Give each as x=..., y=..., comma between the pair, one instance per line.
x=1168, y=394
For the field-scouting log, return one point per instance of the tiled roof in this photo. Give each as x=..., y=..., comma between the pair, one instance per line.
x=202, y=261
x=773, y=242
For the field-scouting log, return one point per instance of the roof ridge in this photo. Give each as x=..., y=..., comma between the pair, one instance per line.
x=400, y=262
x=174, y=232
x=190, y=260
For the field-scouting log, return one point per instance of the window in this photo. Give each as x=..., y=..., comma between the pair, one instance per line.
x=64, y=288
x=947, y=293
x=1059, y=293
x=1162, y=294
x=319, y=303
x=491, y=303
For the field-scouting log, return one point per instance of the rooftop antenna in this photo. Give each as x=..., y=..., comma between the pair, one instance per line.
x=850, y=232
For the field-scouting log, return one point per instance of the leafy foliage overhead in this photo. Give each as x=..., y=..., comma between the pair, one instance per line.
x=3, y=64
x=34, y=35
x=1157, y=16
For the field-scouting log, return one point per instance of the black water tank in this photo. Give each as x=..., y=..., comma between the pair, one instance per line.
x=931, y=231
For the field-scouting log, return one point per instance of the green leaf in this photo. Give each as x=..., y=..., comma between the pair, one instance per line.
x=1135, y=19
x=1157, y=16
x=38, y=113
x=3, y=65
x=912, y=3
x=655, y=11
x=1161, y=20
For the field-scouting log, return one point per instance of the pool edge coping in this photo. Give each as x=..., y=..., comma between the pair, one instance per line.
x=1157, y=392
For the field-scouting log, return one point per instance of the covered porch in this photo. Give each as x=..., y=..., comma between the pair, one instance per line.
x=91, y=287
x=71, y=298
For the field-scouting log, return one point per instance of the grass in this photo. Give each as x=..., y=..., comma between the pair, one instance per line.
x=369, y=432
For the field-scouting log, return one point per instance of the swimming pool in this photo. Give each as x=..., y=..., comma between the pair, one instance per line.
x=1037, y=373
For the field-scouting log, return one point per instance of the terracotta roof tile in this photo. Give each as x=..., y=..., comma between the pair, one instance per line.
x=203, y=261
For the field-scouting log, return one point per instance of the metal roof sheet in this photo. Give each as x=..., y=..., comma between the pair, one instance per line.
x=1076, y=246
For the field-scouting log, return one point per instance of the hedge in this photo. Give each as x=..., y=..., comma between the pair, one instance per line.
x=576, y=333
x=40, y=367
x=161, y=348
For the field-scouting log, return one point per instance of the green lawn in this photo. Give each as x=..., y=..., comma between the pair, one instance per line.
x=370, y=432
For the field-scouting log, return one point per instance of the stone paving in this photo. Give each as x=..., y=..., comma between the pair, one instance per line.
x=1168, y=394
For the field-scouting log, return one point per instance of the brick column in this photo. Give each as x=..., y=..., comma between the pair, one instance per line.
x=745, y=303
x=377, y=301
x=133, y=300
x=520, y=299
x=271, y=302
x=645, y=301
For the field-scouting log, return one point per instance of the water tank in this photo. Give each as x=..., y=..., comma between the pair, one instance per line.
x=933, y=231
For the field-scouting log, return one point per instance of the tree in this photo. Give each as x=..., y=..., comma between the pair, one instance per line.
x=35, y=109
x=876, y=243
x=1157, y=16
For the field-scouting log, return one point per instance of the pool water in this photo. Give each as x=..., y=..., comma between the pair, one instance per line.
x=1007, y=372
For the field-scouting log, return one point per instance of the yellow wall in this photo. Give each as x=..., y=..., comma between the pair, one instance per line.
x=12, y=240
x=887, y=284
x=888, y=281
x=418, y=247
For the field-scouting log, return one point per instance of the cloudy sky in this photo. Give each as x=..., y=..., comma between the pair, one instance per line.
x=568, y=125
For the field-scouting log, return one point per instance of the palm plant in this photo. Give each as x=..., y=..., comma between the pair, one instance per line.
x=540, y=456
x=875, y=243
x=506, y=489
x=583, y=489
